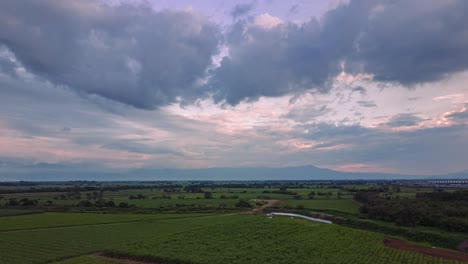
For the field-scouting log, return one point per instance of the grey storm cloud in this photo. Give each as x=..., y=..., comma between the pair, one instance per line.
x=145, y=58
x=426, y=43
x=360, y=90
x=294, y=9
x=404, y=120
x=412, y=42
x=240, y=10
x=367, y=103
x=128, y=53
x=324, y=131
x=141, y=147
x=459, y=116
x=309, y=113
x=394, y=148
x=271, y=62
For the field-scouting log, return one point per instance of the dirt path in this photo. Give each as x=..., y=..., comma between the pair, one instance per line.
x=103, y=256
x=259, y=209
x=435, y=252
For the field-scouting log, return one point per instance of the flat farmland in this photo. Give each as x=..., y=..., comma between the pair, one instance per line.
x=198, y=239
x=341, y=205
x=49, y=220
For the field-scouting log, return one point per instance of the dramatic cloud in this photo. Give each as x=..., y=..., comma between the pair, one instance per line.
x=412, y=42
x=128, y=53
x=427, y=42
x=404, y=120
x=146, y=58
x=242, y=9
x=459, y=116
x=389, y=149
x=361, y=85
x=366, y=103
x=271, y=61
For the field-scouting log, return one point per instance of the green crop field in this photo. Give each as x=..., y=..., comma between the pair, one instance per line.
x=53, y=243
x=87, y=260
x=169, y=223
x=204, y=239
x=48, y=220
x=279, y=240
x=342, y=205
x=196, y=238
x=13, y=212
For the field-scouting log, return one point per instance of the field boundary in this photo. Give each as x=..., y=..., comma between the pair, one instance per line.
x=129, y=259
x=434, y=252
x=122, y=260
x=99, y=224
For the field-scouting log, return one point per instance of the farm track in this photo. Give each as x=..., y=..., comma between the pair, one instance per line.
x=97, y=224
x=122, y=260
x=259, y=209
x=434, y=252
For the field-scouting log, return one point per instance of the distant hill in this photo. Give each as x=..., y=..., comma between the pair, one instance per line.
x=58, y=172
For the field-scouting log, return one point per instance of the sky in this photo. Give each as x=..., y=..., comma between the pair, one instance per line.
x=358, y=85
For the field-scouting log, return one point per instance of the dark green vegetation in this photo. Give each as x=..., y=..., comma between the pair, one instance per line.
x=200, y=222
x=49, y=220
x=173, y=197
x=264, y=240
x=86, y=260
x=444, y=210
x=206, y=239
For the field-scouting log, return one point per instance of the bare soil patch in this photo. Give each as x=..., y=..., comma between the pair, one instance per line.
x=259, y=209
x=434, y=252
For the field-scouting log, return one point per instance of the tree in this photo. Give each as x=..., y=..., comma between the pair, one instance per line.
x=297, y=197
x=208, y=195
x=123, y=205
x=85, y=203
x=311, y=195
x=100, y=203
x=12, y=202
x=193, y=189
x=243, y=204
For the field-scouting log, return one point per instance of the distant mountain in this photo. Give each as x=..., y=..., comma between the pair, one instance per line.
x=59, y=172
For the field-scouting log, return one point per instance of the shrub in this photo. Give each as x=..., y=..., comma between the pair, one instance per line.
x=85, y=203
x=243, y=204
x=123, y=205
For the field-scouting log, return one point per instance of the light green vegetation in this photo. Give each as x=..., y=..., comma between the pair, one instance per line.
x=341, y=205
x=48, y=220
x=200, y=239
x=181, y=203
x=13, y=212
x=46, y=245
x=87, y=260
x=153, y=196
x=258, y=239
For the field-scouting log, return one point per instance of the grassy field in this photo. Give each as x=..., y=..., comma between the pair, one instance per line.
x=165, y=223
x=200, y=239
x=87, y=260
x=48, y=220
x=341, y=205
x=13, y=212
x=279, y=240
x=54, y=243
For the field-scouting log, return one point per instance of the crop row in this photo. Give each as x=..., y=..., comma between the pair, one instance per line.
x=279, y=240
